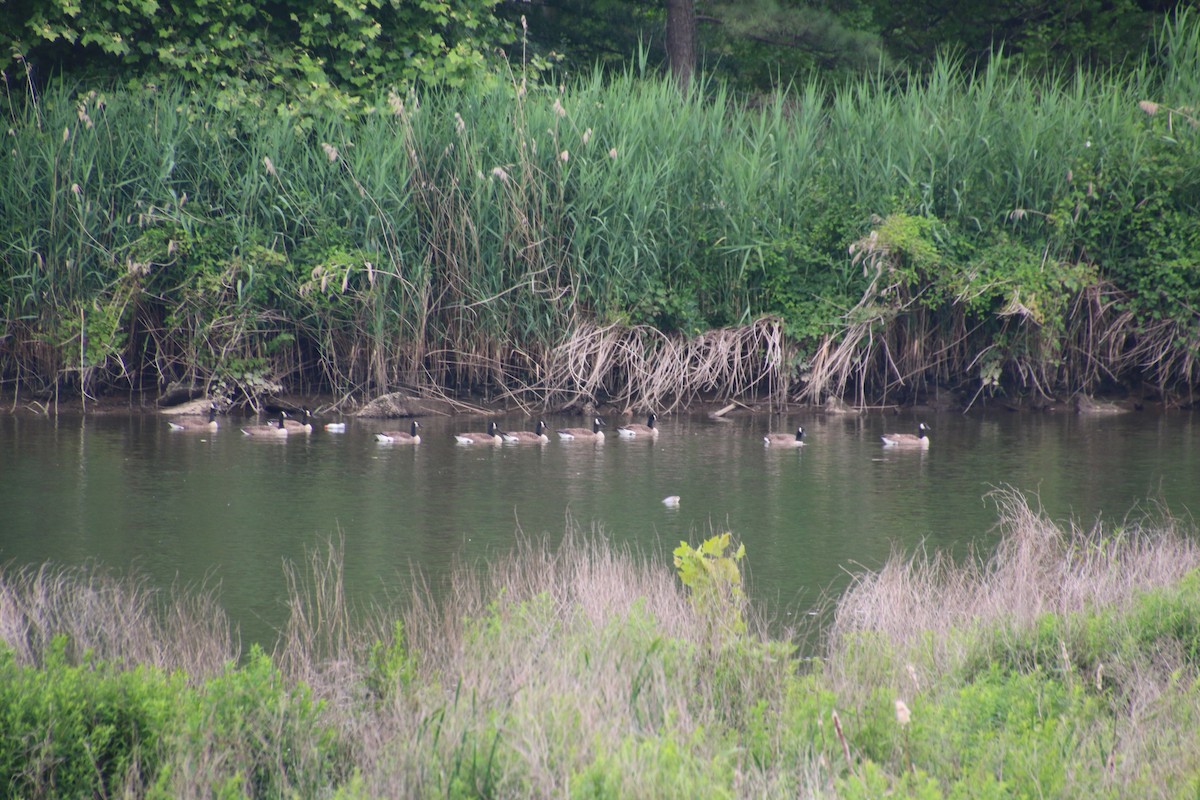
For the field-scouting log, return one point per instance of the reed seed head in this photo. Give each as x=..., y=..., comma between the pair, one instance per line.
x=903, y=715
x=912, y=674
x=270, y=165
x=1149, y=106
x=330, y=151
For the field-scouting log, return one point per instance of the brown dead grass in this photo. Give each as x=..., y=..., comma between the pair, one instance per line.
x=115, y=618
x=542, y=652
x=922, y=605
x=643, y=367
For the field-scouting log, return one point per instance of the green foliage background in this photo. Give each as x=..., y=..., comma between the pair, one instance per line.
x=457, y=236
x=311, y=54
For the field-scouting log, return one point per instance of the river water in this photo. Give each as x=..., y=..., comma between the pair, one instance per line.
x=227, y=511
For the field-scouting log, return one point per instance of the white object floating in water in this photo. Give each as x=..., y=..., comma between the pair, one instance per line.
x=672, y=501
x=335, y=427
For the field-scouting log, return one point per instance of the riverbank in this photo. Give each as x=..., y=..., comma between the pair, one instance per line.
x=615, y=240
x=406, y=405
x=1063, y=666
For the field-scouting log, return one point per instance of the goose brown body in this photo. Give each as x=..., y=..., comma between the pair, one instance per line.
x=583, y=434
x=302, y=425
x=274, y=429
x=636, y=430
x=473, y=437
x=195, y=423
x=920, y=439
x=785, y=439
x=535, y=436
x=401, y=437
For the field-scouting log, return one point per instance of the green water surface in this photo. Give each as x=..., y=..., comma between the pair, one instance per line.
x=227, y=511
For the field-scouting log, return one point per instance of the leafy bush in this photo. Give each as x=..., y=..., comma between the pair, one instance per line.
x=323, y=53
x=83, y=730
x=265, y=736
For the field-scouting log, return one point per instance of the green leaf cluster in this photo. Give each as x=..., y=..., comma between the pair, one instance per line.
x=297, y=56
x=714, y=580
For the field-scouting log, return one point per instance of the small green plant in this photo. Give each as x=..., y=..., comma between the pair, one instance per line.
x=714, y=580
x=392, y=666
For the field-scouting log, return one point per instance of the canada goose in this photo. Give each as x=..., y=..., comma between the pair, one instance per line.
x=491, y=437
x=401, y=437
x=785, y=439
x=273, y=429
x=630, y=431
x=298, y=426
x=196, y=424
x=583, y=434
x=535, y=436
x=918, y=439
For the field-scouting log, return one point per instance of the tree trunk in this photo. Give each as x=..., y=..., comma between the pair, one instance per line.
x=681, y=39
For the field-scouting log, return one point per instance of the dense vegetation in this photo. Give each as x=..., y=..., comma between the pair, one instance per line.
x=614, y=238
x=1067, y=665
x=301, y=53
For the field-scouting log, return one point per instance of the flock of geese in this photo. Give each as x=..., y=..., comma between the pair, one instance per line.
x=284, y=426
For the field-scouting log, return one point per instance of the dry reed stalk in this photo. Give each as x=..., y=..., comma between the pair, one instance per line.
x=1038, y=567
x=641, y=366
x=324, y=643
x=841, y=357
x=588, y=655
x=115, y=619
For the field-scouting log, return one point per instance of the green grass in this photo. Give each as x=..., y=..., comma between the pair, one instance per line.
x=1064, y=665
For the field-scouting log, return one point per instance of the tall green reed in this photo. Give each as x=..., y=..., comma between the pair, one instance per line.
x=458, y=239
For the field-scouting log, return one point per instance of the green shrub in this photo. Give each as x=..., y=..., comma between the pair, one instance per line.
x=84, y=730
x=663, y=765
x=266, y=736
x=1170, y=617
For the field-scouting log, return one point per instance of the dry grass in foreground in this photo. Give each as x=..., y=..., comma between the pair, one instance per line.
x=933, y=610
x=1065, y=665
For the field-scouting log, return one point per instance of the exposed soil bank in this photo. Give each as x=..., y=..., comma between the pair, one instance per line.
x=403, y=405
